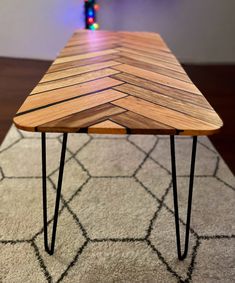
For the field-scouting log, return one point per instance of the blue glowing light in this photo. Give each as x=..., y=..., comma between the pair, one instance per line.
x=90, y=13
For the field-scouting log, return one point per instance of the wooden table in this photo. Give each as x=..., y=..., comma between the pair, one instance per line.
x=117, y=83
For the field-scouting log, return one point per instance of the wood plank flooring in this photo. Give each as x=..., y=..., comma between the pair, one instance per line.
x=218, y=84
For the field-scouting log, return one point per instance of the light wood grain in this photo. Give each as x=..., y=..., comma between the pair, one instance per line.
x=47, y=98
x=138, y=124
x=166, y=116
x=30, y=121
x=77, y=71
x=107, y=127
x=73, y=80
x=162, y=79
x=79, y=122
x=84, y=56
x=117, y=83
x=157, y=60
x=170, y=102
x=154, y=68
x=82, y=62
x=181, y=95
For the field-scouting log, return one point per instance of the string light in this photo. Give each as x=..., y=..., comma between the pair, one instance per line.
x=96, y=7
x=90, y=20
x=91, y=7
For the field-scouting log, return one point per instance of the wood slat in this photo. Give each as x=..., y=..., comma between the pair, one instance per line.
x=62, y=83
x=156, y=54
x=83, y=62
x=145, y=42
x=162, y=79
x=163, y=89
x=77, y=41
x=153, y=59
x=51, y=97
x=154, y=68
x=88, y=44
x=137, y=124
x=84, y=56
x=107, y=127
x=30, y=121
x=83, y=42
x=166, y=116
x=79, y=122
x=187, y=108
x=77, y=71
x=117, y=83
x=76, y=50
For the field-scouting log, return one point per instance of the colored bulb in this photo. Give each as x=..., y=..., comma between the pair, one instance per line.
x=90, y=20
x=90, y=13
x=96, y=7
x=96, y=25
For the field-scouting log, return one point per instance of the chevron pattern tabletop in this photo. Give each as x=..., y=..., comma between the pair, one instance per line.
x=117, y=83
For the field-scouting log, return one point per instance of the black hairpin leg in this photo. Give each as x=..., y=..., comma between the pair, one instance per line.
x=183, y=255
x=50, y=250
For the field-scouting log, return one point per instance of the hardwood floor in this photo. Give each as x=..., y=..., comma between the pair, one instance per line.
x=17, y=79
x=217, y=83
x=19, y=76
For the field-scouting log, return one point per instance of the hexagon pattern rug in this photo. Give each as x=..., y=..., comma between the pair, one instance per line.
x=116, y=220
